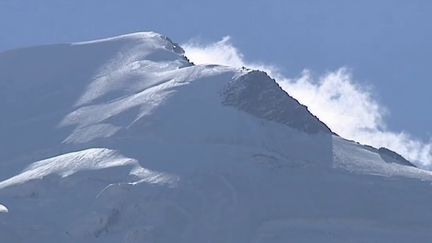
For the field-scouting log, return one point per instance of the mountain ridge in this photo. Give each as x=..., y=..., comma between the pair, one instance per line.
x=124, y=140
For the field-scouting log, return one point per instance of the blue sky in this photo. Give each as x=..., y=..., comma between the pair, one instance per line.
x=387, y=44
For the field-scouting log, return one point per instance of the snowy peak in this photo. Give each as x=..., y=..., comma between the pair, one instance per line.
x=137, y=54
x=92, y=91
x=41, y=86
x=124, y=140
x=87, y=91
x=152, y=40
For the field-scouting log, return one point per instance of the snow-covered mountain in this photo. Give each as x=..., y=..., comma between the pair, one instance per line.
x=124, y=140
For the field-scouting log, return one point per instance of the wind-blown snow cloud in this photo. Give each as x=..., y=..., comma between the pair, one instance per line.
x=347, y=108
x=223, y=53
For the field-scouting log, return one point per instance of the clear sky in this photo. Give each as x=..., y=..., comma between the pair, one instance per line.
x=387, y=44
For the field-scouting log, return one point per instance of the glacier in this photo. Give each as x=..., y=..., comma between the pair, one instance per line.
x=124, y=139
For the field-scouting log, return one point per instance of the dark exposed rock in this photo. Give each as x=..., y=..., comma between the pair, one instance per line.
x=258, y=94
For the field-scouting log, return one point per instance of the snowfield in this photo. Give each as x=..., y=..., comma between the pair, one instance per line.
x=124, y=140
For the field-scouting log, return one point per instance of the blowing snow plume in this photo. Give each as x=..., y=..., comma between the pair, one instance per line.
x=348, y=108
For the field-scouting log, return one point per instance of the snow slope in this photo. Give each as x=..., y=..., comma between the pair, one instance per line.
x=124, y=140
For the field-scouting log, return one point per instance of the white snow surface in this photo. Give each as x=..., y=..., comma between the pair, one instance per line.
x=3, y=209
x=124, y=140
x=90, y=159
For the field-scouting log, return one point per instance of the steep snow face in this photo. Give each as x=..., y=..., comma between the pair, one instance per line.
x=124, y=140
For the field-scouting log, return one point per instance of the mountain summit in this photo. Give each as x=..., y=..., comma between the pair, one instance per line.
x=124, y=140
